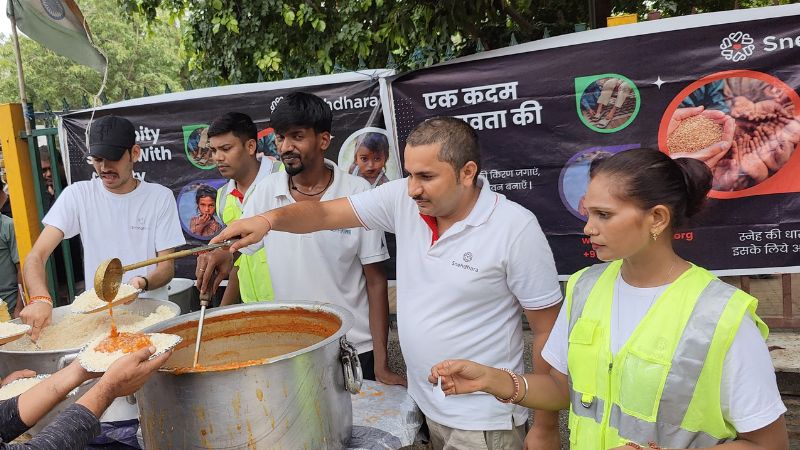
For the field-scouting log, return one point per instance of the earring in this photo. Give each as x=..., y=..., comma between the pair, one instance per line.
x=654, y=235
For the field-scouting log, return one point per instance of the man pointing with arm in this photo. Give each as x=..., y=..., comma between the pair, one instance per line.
x=469, y=262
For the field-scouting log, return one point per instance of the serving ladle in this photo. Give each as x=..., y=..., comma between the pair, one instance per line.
x=108, y=276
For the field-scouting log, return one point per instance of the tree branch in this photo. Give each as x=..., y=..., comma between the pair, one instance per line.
x=516, y=16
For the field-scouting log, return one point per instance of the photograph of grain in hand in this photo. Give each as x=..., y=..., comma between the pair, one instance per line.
x=765, y=136
x=693, y=134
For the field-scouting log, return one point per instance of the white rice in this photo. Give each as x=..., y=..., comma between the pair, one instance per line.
x=95, y=361
x=21, y=385
x=75, y=330
x=89, y=300
x=8, y=329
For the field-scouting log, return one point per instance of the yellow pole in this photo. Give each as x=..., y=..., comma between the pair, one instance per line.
x=19, y=175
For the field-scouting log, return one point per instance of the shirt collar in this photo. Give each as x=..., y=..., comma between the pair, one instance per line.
x=264, y=169
x=484, y=206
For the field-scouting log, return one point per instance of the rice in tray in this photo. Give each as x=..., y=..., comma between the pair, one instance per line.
x=97, y=361
x=75, y=330
x=12, y=329
x=89, y=300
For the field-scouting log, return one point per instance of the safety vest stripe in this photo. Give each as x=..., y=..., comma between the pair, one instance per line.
x=692, y=350
x=664, y=434
x=583, y=287
x=593, y=410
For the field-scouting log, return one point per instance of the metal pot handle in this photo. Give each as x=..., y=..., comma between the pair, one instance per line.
x=351, y=365
x=66, y=360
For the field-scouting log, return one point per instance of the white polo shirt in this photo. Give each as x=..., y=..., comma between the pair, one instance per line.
x=324, y=266
x=463, y=296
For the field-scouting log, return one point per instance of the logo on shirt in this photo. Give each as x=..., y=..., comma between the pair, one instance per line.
x=140, y=224
x=466, y=257
x=345, y=231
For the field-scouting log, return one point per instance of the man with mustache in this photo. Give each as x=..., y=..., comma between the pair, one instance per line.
x=117, y=216
x=342, y=266
x=469, y=263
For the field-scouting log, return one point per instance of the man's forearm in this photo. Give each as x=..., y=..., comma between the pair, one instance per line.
x=307, y=217
x=378, y=297
x=97, y=399
x=161, y=276
x=232, y=295
x=34, y=275
x=542, y=418
x=40, y=399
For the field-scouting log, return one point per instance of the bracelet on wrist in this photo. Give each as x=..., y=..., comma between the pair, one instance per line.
x=146, y=283
x=650, y=445
x=525, y=380
x=262, y=216
x=32, y=302
x=515, y=395
x=40, y=299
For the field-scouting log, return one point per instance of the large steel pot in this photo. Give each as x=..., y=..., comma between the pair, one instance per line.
x=272, y=375
x=51, y=361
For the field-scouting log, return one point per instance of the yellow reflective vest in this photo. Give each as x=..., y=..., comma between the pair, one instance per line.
x=664, y=383
x=255, y=284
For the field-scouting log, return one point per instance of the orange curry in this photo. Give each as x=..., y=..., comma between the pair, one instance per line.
x=126, y=342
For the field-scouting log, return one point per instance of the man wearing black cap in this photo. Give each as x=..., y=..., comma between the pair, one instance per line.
x=116, y=215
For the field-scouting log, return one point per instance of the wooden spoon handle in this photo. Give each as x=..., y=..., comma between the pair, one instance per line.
x=176, y=255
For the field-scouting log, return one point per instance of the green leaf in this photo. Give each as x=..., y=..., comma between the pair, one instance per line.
x=288, y=17
x=217, y=4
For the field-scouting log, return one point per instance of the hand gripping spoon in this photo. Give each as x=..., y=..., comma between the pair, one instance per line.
x=108, y=276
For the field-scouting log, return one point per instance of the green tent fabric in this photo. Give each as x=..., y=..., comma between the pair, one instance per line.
x=59, y=26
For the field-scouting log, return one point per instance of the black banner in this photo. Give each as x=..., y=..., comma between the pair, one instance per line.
x=545, y=110
x=171, y=130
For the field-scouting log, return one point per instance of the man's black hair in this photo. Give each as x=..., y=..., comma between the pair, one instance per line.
x=240, y=124
x=304, y=110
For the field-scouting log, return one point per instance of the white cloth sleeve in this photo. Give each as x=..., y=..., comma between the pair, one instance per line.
x=64, y=213
x=168, y=228
x=555, y=350
x=749, y=393
x=376, y=208
x=531, y=273
x=372, y=247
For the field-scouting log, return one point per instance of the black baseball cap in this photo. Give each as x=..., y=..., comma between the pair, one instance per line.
x=110, y=137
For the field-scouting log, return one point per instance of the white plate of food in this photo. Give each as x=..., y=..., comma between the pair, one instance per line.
x=101, y=352
x=21, y=385
x=10, y=331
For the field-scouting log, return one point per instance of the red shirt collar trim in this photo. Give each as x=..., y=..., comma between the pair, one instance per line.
x=236, y=193
x=431, y=222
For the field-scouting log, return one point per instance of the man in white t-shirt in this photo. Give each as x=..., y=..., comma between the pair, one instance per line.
x=117, y=216
x=469, y=263
x=343, y=266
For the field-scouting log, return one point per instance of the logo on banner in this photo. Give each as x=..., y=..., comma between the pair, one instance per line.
x=737, y=46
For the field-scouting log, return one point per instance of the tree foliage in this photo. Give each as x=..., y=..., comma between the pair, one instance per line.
x=139, y=57
x=244, y=41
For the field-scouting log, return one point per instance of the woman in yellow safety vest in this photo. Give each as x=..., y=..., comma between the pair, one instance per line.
x=649, y=350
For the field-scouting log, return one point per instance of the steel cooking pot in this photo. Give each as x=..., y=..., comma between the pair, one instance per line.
x=271, y=375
